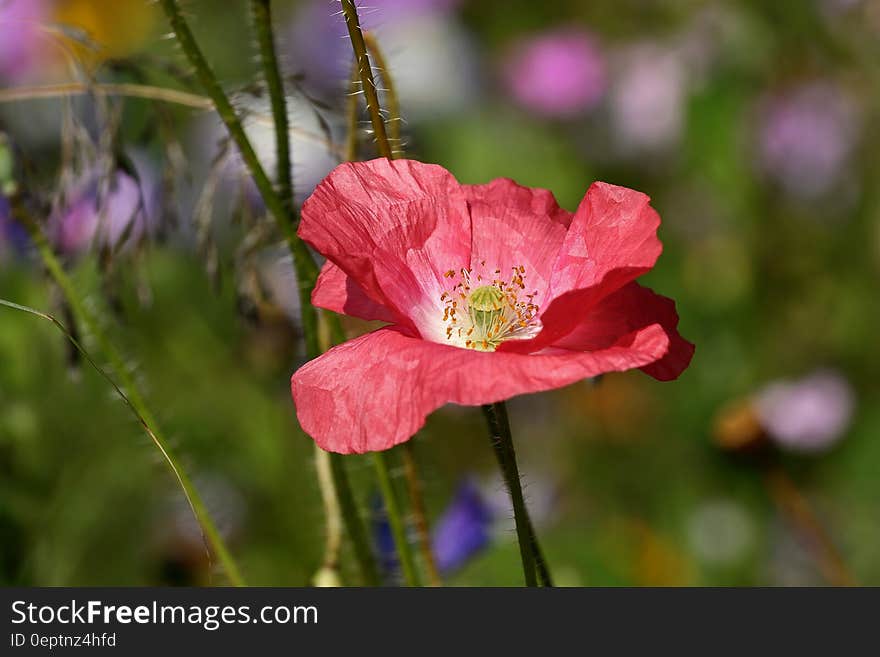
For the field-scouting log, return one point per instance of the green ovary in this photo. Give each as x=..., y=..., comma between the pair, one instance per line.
x=486, y=310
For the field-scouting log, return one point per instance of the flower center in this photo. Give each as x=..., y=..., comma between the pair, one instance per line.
x=483, y=316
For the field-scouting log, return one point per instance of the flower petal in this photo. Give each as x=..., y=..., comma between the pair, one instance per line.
x=394, y=227
x=612, y=240
x=630, y=308
x=337, y=292
x=516, y=226
x=375, y=391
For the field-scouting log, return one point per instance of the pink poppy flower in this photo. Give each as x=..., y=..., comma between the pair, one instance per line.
x=490, y=291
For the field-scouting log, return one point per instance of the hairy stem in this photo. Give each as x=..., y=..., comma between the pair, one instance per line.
x=417, y=501
x=306, y=268
x=305, y=265
x=132, y=395
x=365, y=72
x=351, y=116
x=265, y=38
x=540, y=560
x=502, y=443
x=368, y=86
x=394, y=116
x=395, y=519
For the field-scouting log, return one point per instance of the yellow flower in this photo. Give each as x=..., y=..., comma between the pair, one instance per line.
x=117, y=28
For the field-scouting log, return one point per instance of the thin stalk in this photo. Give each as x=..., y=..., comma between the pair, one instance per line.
x=148, y=92
x=305, y=265
x=368, y=86
x=351, y=116
x=131, y=394
x=502, y=443
x=130, y=90
x=394, y=116
x=265, y=38
x=398, y=529
x=389, y=497
x=417, y=500
x=540, y=560
x=356, y=531
x=332, y=512
x=347, y=503
x=306, y=268
x=365, y=72
x=798, y=509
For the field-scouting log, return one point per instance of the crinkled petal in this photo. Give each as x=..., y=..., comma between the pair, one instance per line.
x=611, y=241
x=394, y=227
x=630, y=308
x=375, y=391
x=515, y=226
x=338, y=292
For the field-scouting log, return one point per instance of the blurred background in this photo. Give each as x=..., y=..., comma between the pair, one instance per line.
x=751, y=124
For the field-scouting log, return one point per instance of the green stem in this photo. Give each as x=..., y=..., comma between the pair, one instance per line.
x=306, y=268
x=417, y=502
x=394, y=117
x=356, y=531
x=305, y=265
x=347, y=503
x=365, y=71
x=540, y=559
x=351, y=116
x=502, y=443
x=134, y=398
x=265, y=38
x=368, y=86
x=395, y=519
x=332, y=513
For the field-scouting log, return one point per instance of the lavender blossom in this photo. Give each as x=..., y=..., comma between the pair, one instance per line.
x=560, y=73
x=647, y=98
x=21, y=42
x=807, y=136
x=807, y=415
x=13, y=237
x=464, y=529
x=113, y=213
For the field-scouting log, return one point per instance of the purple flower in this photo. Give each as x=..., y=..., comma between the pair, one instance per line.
x=114, y=213
x=647, y=98
x=806, y=138
x=560, y=73
x=21, y=41
x=463, y=530
x=13, y=237
x=807, y=415
x=383, y=541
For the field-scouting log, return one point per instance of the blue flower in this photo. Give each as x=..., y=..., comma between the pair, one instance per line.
x=463, y=530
